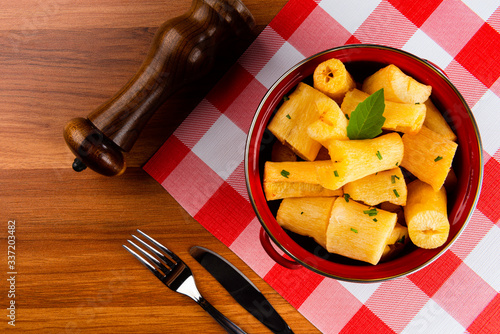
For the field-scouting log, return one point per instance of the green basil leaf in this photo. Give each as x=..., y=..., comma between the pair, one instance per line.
x=366, y=120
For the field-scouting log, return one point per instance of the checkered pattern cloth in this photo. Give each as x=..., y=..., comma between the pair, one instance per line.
x=201, y=164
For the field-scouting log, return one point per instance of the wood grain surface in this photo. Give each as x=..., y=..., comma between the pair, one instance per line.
x=61, y=59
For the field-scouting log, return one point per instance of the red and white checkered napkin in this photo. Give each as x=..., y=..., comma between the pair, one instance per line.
x=201, y=164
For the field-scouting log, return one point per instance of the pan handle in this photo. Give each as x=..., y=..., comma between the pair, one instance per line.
x=279, y=259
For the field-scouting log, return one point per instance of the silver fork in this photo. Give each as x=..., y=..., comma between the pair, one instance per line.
x=176, y=275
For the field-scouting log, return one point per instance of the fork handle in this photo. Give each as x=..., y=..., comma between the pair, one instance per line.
x=227, y=324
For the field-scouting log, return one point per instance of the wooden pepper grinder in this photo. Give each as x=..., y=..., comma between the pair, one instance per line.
x=183, y=50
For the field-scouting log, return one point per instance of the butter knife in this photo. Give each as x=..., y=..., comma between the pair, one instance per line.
x=241, y=289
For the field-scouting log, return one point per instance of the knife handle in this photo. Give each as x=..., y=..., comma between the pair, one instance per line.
x=227, y=324
x=184, y=50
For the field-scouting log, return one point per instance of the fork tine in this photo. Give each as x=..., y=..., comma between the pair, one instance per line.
x=145, y=263
x=163, y=248
x=150, y=257
x=156, y=252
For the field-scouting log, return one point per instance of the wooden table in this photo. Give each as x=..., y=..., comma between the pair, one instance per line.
x=59, y=60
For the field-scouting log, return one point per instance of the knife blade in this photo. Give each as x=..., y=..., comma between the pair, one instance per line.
x=241, y=289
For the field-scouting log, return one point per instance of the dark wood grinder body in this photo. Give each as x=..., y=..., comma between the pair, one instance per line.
x=183, y=50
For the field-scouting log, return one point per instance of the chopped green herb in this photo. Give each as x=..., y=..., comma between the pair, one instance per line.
x=366, y=120
x=397, y=163
x=438, y=158
x=402, y=240
x=379, y=156
x=354, y=230
x=346, y=116
x=417, y=102
x=371, y=212
x=302, y=213
x=346, y=197
x=336, y=173
x=375, y=220
x=395, y=192
x=286, y=98
x=285, y=173
x=393, y=178
x=288, y=116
